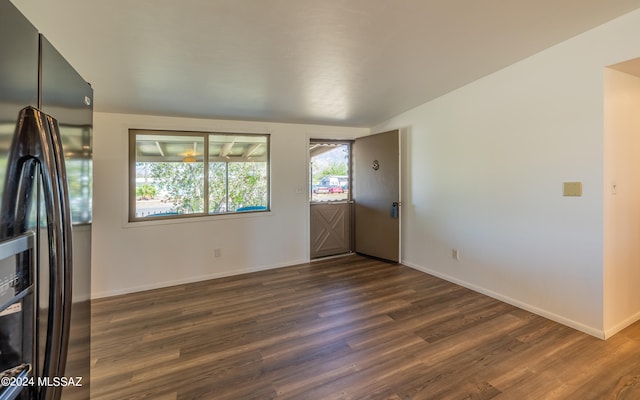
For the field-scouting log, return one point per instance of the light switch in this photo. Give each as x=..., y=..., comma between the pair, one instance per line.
x=572, y=189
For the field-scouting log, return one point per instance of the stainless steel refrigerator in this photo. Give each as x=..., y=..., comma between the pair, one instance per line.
x=45, y=217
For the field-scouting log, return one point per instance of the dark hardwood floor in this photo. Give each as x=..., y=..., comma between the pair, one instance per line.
x=346, y=328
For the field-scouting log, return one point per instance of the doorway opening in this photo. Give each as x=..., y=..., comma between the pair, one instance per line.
x=354, y=195
x=331, y=205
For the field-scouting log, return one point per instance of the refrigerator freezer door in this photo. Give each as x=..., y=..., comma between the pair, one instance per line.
x=18, y=89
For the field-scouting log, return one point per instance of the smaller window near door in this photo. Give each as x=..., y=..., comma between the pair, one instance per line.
x=329, y=169
x=181, y=174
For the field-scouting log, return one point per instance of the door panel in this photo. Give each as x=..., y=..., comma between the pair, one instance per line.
x=330, y=229
x=376, y=192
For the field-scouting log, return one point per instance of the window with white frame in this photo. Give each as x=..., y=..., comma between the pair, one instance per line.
x=182, y=174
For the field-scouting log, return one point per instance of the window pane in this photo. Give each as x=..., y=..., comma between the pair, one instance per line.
x=247, y=186
x=329, y=171
x=217, y=187
x=177, y=174
x=238, y=173
x=169, y=175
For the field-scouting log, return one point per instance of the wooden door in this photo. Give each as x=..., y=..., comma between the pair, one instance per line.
x=330, y=229
x=331, y=224
x=376, y=193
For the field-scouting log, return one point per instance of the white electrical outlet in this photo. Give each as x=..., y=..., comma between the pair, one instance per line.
x=455, y=254
x=217, y=253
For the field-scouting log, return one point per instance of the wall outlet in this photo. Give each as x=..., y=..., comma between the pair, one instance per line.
x=217, y=253
x=455, y=254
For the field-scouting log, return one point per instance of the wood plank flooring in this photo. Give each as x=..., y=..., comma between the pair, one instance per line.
x=346, y=328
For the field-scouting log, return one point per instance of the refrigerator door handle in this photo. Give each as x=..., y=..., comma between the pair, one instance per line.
x=64, y=222
x=36, y=147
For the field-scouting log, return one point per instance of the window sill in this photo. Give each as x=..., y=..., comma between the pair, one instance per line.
x=197, y=219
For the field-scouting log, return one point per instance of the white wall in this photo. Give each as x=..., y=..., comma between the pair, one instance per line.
x=130, y=257
x=484, y=170
x=486, y=165
x=622, y=205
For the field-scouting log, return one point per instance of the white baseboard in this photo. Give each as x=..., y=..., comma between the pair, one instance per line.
x=621, y=325
x=600, y=334
x=192, y=279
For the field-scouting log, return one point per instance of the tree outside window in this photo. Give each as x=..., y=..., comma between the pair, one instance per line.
x=178, y=174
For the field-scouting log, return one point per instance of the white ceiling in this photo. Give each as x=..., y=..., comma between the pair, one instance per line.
x=338, y=62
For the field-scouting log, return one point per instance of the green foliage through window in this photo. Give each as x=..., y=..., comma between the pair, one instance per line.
x=179, y=174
